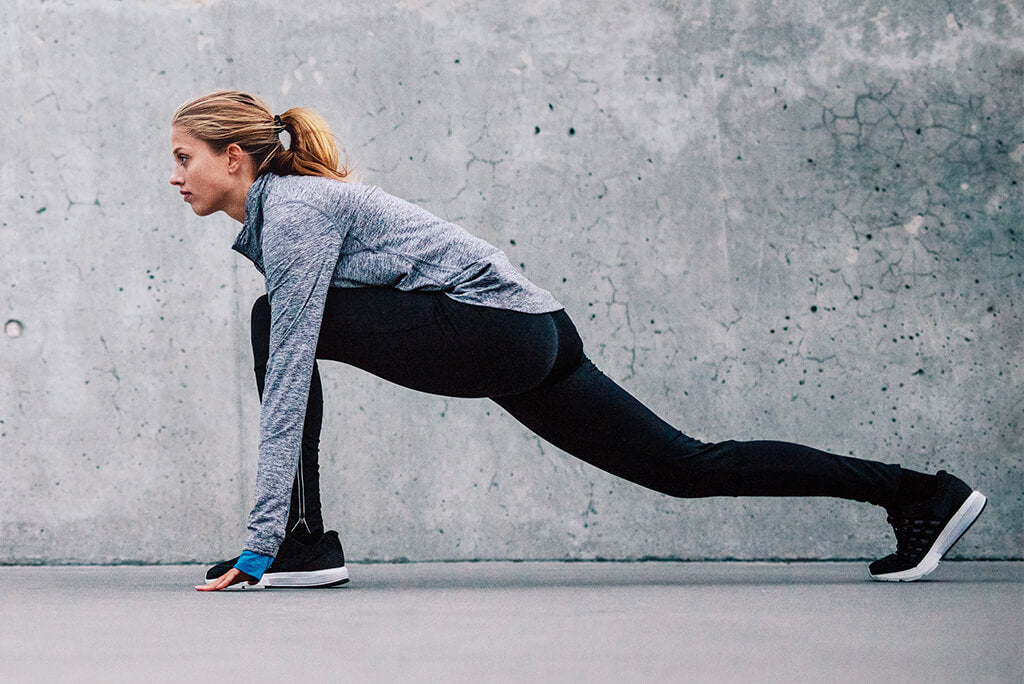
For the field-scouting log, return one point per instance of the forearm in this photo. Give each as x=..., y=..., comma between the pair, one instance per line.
x=281, y=422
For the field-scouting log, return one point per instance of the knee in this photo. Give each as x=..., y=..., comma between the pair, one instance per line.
x=261, y=312
x=260, y=330
x=570, y=350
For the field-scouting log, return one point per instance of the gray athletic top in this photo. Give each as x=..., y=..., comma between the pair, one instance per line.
x=305, y=234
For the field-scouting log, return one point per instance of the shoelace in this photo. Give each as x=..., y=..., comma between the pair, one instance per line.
x=914, y=536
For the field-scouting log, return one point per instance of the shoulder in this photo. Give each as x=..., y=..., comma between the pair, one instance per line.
x=325, y=194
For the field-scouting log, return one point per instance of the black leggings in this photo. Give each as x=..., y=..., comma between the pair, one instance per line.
x=533, y=366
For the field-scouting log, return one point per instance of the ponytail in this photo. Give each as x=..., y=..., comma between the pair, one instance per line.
x=227, y=116
x=312, y=151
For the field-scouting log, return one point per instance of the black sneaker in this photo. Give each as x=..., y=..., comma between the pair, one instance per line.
x=320, y=564
x=926, y=531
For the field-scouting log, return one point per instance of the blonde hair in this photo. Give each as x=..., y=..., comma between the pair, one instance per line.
x=228, y=116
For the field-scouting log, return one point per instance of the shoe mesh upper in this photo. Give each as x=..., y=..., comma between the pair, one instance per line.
x=914, y=536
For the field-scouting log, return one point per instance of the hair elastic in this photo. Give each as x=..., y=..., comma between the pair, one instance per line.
x=278, y=124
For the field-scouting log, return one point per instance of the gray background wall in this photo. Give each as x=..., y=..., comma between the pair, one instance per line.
x=785, y=220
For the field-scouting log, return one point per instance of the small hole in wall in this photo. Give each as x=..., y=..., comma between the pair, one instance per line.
x=13, y=328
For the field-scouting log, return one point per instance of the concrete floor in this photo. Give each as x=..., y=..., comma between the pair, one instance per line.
x=461, y=622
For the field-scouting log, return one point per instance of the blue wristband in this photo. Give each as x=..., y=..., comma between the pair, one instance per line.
x=254, y=564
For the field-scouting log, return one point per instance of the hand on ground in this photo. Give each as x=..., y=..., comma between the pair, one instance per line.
x=232, y=576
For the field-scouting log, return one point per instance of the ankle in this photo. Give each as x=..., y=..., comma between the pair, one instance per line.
x=305, y=534
x=915, y=488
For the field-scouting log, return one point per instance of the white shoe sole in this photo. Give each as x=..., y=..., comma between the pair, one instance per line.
x=242, y=586
x=312, y=579
x=951, y=533
x=315, y=578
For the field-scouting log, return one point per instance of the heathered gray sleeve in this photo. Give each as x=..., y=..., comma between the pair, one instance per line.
x=300, y=250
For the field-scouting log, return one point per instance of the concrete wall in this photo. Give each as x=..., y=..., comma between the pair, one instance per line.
x=785, y=220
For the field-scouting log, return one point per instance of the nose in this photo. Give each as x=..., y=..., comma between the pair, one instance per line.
x=176, y=177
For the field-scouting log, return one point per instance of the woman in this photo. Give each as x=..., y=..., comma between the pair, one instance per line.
x=358, y=276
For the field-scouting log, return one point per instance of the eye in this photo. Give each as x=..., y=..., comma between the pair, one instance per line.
x=182, y=158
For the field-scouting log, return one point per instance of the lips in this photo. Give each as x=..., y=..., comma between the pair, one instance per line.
x=187, y=196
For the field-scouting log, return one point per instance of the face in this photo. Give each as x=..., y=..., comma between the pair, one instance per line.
x=203, y=177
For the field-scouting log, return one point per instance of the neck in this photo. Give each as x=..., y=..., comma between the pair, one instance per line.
x=236, y=202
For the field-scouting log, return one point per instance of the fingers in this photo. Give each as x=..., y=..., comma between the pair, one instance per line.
x=225, y=580
x=229, y=578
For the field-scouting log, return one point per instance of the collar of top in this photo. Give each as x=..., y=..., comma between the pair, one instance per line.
x=249, y=241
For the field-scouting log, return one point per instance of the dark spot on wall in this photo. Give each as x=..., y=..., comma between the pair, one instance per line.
x=536, y=130
x=40, y=210
x=814, y=309
x=456, y=60
x=551, y=106
x=572, y=131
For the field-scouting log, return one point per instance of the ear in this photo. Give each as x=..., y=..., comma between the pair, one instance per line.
x=235, y=157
